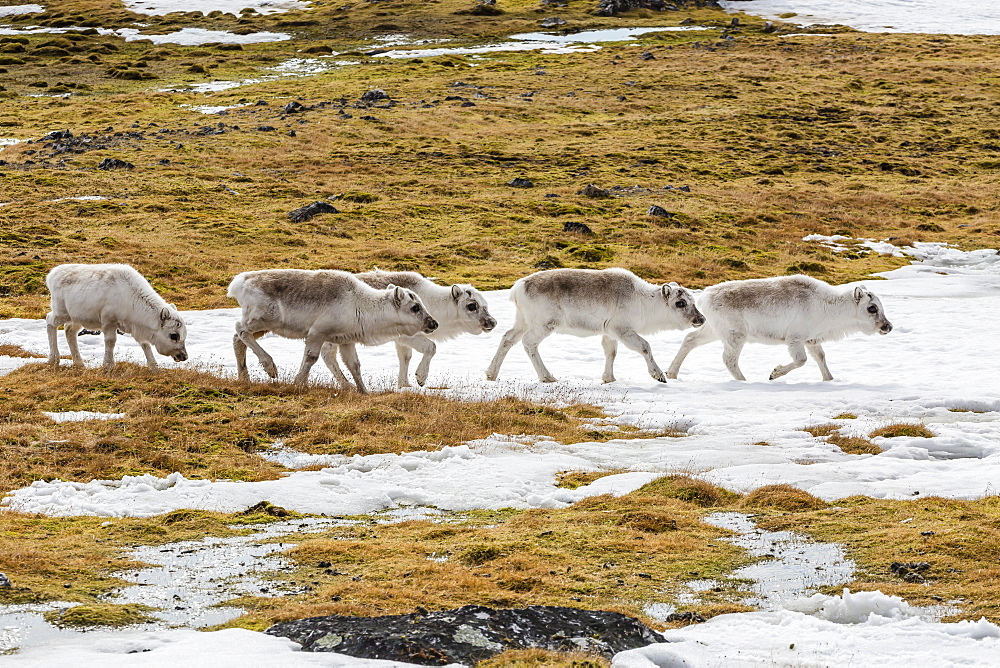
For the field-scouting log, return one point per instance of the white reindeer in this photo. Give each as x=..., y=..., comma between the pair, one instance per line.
x=323, y=306
x=613, y=303
x=799, y=311
x=111, y=298
x=458, y=309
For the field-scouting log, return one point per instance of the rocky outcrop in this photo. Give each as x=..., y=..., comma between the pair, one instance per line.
x=469, y=634
x=615, y=7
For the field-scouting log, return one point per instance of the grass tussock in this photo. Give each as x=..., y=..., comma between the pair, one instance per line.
x=210, y=427
x=782, y=497
x=852, y=445
x=903, y=429
x=575, y=479
x=691, y=490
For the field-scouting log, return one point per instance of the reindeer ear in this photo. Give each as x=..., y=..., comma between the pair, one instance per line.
x=859, y=294
x=456, y=292
x=666, y=288
x=164, y=315
x=398, y=295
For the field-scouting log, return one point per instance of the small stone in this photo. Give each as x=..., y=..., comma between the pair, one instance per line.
x=260, y=103
x=304, y=213
x=659, y=211
x=115, y=163
x=687, y=22
x=293, y=107
x=58, y=134
x=4, y=581
x=291, y=133
x=324, y=564
x=646, y=55
x=552, y=22
x=578, y=228
x=266, y=128
x=686, y=617
x=520, y=182
x=374, y=95
x=590, y=190
x=769, y=26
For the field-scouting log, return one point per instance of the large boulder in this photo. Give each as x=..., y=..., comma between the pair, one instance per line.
x=469, y=634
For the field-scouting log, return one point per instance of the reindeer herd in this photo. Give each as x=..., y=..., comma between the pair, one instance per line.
x=333, y=311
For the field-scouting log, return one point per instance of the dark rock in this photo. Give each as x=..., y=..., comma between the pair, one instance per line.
x=467, y=104
x=291, y=133
x=769, y=27
x=904, y=567
x=615, y=7
x=590, y=190
x=304, y=213
x=374, y=95
x=88, y=332
x=266, y=128
x=520, y=182
x=260, y=103
x=293, y=107
x=115, y=163
x=685, y=189
x=469, y=634
x=646, y=55
x=687, y=22
x=552, y=22
x=686, y=617
x=57, y=135
x=4, y=581
x=369, y=118
x=659, y=211
x=578, y=228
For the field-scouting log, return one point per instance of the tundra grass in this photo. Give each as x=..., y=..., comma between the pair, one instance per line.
x=208, y=427
x=776, y=136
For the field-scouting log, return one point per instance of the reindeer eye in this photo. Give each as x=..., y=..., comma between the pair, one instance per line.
x=175, y=337
x=415, y=308
x=681, y=304
x=473, y=306
x=873, y=309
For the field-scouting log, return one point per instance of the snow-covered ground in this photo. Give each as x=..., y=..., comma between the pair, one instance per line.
x=954, y=17
x=934, y=368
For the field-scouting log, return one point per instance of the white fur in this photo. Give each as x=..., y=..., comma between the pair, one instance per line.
x=612, y=303
x=321, y=307
x=800, y=312
x=458, y=309
x=111, y=298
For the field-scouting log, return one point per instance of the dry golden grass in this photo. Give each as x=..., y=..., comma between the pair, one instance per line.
x=852, y=445
x=903, y=429
x=529, y=658
x=852, y=122
x=602, y=553
x=782, y=497
x=209, y=427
